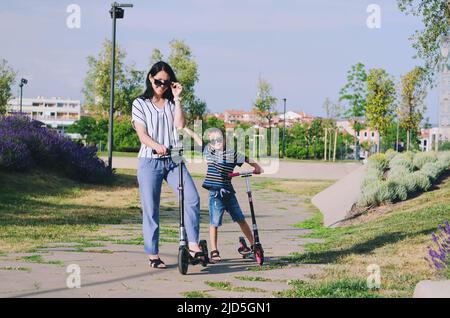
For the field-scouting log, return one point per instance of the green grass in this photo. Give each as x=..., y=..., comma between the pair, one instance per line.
x=39, y=207
x=344, y=288
x=117, y=154
x=15, y=268
x=38, y=259
x=253, y=278
x=396, y=241
x=227, y=286
x=196, y=294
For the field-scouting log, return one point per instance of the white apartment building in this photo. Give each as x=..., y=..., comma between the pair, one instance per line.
x=55, y=112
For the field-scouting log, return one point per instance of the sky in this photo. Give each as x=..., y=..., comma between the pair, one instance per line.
x=303, y=48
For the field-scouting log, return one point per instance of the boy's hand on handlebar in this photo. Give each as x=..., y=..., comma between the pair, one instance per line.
x=160, y=149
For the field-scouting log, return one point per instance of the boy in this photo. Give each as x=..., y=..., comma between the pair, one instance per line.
x=222, y=197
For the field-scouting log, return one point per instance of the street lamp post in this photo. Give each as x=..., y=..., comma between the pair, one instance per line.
x=284, y=129
x=116, y=13
x=23, y=81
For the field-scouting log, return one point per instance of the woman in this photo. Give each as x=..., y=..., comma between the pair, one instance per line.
x=156, y=115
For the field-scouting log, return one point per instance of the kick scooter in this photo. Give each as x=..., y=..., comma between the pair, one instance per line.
x=257, y=248
x=184, y=256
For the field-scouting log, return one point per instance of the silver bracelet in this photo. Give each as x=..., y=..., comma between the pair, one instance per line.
x=177, y=99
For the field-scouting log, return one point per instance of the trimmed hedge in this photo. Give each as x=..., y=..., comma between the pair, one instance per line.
x=407, y=173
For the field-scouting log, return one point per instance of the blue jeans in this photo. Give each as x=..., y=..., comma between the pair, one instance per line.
x=221, y=201
x=151, y=173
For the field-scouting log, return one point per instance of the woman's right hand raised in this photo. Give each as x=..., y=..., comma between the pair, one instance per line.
x=160, y=149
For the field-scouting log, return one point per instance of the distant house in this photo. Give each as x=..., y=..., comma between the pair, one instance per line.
x=233, y=116
x=367, y=134
x=429, y=136
x=293, y=117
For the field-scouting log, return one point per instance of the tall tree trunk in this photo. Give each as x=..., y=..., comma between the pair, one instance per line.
x=325, y=146
x=335, y=144
x=329, y=144
x=378, y=141
x=408, y=139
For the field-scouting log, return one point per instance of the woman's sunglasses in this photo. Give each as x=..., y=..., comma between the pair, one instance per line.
x=162, y=83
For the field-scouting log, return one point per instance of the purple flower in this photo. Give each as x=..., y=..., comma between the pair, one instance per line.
x=23, y=144
x=440, y=253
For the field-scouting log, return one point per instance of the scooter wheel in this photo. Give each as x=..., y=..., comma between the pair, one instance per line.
x=259, y=254
x=183, y=260
x=204, y=247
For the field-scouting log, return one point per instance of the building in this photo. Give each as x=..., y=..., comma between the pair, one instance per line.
x=233, y=116
x=54, y=112
x=428, y=137
x=366, y=134
x=293, y=117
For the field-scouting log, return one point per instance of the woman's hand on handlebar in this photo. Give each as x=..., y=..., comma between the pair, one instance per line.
x=160, y=149
x=257, y=169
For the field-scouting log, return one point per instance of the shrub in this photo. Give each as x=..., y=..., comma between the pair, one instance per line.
x=378, y=162
x=422, y=158
x=422, y=181
x=372, y=175
x=444, y=158
x=24, y=142
x=390, y=154
x=397, y=191
x=14, y=154
x=375, y=194
x=401, y=160
x=432, y=170
x=402, y=178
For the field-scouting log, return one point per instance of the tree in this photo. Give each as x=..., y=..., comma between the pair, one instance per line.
x=412, y=105
x=94, y=132
x=265, y=102
x=125, y=137
x=380, y=98
x=333, y=110
x=435, y=16
x=97, y=84
x=129, y=88
x=186, y=69
x=156, y=57
x=7, y=79
x=354, y=93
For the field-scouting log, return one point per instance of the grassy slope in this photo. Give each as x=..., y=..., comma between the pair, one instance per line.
x=38, y=208
x=396, y=241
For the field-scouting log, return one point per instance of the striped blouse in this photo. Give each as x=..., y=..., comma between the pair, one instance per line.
x=220, y=164
x=158, y=122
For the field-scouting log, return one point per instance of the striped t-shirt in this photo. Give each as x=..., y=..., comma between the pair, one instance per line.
x=220, y=164
x=158, y=122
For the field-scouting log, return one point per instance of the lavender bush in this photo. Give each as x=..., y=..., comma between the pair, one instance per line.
x=24, y=144
x=439, y=253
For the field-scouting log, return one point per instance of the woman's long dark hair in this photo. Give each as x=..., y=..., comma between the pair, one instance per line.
x=156, y=68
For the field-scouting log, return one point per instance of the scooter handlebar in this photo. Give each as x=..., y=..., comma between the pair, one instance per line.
x=168, y=150
x=241, y=174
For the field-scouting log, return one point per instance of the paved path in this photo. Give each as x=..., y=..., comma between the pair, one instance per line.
x=280, y=169
x=125, y=273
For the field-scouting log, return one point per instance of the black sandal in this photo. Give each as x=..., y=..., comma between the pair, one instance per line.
x=197, y=257
x=155, y=263
x=215, y=256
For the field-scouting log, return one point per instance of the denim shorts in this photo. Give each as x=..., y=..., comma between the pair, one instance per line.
x=221, y=201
